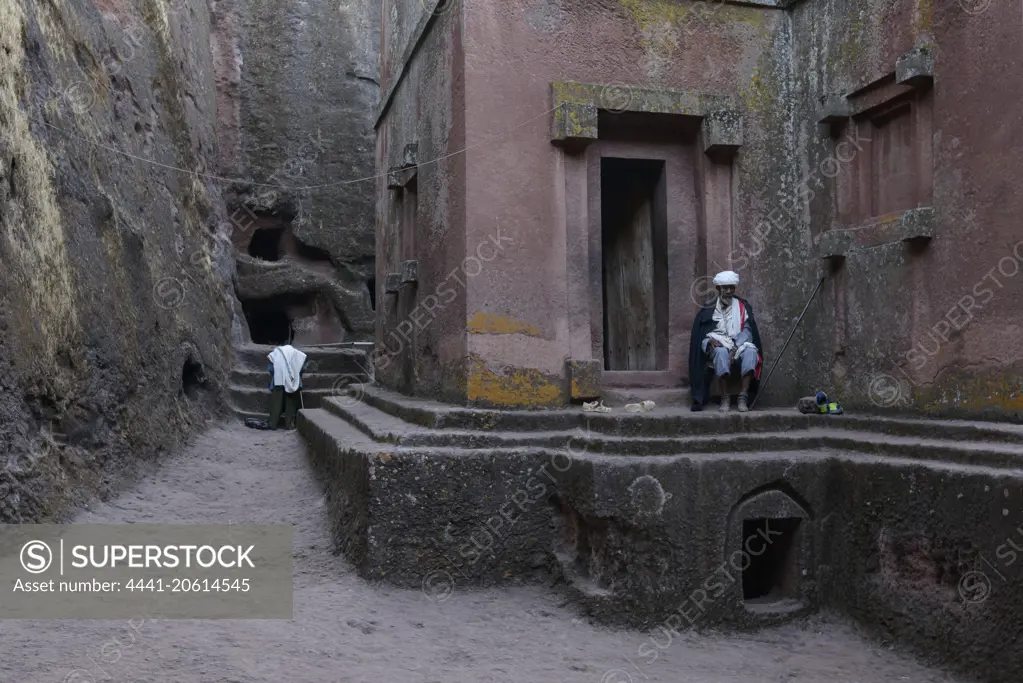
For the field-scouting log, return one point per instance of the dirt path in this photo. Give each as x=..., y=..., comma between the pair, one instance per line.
x=347, y=631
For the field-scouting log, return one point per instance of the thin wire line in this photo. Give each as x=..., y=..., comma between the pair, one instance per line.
x=280, y=187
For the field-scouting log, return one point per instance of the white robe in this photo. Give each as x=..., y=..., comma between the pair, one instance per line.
x=288, y=362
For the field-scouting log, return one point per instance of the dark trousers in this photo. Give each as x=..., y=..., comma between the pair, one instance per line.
x=288, y=402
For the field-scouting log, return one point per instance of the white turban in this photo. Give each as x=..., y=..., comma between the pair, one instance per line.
x=725, y=278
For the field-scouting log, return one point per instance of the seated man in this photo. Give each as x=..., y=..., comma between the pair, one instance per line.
x=724, y=333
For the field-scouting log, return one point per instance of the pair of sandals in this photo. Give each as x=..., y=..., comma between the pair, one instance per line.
x=742, y=403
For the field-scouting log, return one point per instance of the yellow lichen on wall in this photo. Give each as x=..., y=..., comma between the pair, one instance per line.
x=757, y=95
x=923, y=20
x=514, y=388
x=31, y=223
x=485, y=323
x=971, y=394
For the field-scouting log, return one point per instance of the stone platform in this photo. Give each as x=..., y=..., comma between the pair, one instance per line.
x=676, y=518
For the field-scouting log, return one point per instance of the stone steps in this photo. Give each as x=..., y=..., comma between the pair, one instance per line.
x=382, y=427
x=621, y=396
x=335, y=360
x=329, y=370
x=249, y=400
x=254, y=379
x=676, y=421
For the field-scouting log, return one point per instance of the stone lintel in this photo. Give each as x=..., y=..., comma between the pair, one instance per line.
x=912, y=225
x=721, y=131
x=835, y=109
x=620, y=97
x=392, y=283
x=915, y=68
x=409, y=272
x=585, y=378
x=879, y=99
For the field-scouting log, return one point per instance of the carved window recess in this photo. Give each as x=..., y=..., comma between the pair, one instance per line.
x=882, y=159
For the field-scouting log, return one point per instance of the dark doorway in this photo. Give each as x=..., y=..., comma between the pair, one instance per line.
x=268, y=320
x=771, y=548
x=633, y=218
x=371, y=284
x=266, y=244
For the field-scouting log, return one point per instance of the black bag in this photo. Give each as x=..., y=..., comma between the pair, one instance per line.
x=256, y=424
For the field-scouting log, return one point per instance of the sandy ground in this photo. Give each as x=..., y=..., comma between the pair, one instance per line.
x=347, y=631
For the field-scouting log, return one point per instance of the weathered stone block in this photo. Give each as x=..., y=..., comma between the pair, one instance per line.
x=834, y=110
x=392, y=283
x=574, y=122
x=409, y=272
x=722, y=131
x=915, y=68
x=585, y=377
x=394, y=178
x=409, y=155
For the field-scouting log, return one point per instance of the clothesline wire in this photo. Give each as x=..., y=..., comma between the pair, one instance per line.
x=245, y=181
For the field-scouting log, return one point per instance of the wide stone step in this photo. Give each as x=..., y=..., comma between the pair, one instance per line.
x=255, y=379
x=257, y=401
x=621, y=396
x=319, y=359
x=675, y=421
x=384, y=428
x=662, y=421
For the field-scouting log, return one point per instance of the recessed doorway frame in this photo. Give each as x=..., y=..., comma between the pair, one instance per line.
x=682, y=226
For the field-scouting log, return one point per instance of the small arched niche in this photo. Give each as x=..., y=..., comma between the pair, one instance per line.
x=771, y=530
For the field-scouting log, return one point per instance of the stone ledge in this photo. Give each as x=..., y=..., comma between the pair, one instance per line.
x=915, y=68
x=908, y=225
x=835, y=109
x=258, y=280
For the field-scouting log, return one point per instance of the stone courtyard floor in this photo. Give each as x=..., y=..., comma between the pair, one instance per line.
x=345, y=630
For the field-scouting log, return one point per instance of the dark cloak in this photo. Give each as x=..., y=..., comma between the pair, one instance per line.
x=700, y=375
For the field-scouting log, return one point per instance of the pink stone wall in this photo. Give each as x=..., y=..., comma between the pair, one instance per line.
x=427, y=109
x=522, y=307
x=930, y=329
x=528, y=305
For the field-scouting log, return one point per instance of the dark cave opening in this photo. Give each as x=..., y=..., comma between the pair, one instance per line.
x=271, y=320
x=193, y=378
x=266, y=244
x=268, y=320
x=372, y=285
x=771, y=546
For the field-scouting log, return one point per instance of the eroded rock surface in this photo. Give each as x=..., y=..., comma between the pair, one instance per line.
x=119, y=303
